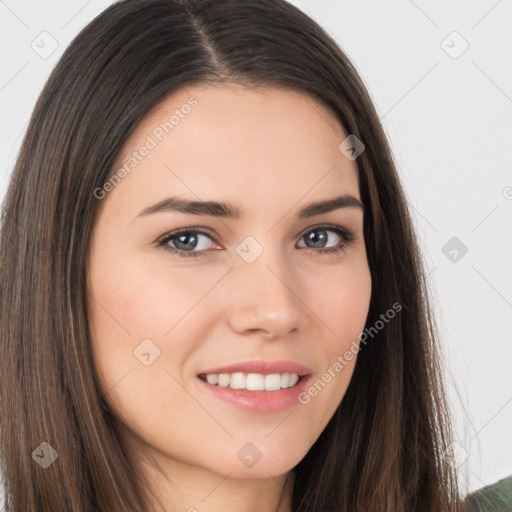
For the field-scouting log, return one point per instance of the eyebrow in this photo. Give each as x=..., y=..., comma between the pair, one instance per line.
x=227, y=210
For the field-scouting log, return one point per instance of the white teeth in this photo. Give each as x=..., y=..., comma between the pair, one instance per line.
x=212, y=378
x=237, y=381
x=273, y=382
x=224, y=380
x=253, y=381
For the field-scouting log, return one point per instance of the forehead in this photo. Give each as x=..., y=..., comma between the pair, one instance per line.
x=234, y=142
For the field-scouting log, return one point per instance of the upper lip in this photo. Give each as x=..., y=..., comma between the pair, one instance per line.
x=263, y=367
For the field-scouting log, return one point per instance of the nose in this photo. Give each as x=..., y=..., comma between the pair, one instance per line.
x=265, y=297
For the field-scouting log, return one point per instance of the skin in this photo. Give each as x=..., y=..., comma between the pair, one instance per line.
x=269, y=152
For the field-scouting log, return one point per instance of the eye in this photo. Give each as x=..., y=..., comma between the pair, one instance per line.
x=318, y=236
x=186, y=238
x=182, y=242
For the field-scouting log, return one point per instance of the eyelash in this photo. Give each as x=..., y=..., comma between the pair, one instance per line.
x=346, y=236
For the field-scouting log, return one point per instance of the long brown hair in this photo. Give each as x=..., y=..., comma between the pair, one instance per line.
x=386, y=446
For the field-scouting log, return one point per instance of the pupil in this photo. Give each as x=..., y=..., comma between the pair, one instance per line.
x=312, y=236
x=184, y=237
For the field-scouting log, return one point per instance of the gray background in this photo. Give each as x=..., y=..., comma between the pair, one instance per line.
x=448, y=115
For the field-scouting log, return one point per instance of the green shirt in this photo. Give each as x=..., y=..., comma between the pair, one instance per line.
x=496, y=497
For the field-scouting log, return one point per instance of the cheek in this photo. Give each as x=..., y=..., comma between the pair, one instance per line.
x=146, y=301
x=342, y=309
x=340, y=299
x=133, y=305
x=136, y=310
x=142, y=307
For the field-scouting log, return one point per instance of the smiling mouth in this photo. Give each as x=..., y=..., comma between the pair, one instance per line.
x=252, y=381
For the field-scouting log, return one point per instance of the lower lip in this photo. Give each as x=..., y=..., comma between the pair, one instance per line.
x=263, y=402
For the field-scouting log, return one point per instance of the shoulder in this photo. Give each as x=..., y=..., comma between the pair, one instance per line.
x=496, y=497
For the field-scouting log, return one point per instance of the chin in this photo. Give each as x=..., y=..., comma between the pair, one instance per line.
x=272, y=465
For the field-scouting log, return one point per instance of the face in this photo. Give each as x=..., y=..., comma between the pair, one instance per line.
x=183, y=322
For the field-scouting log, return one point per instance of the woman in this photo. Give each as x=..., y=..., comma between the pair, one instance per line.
x=212, y=296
